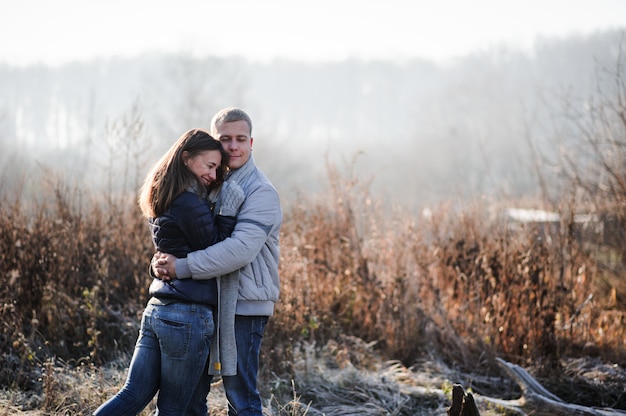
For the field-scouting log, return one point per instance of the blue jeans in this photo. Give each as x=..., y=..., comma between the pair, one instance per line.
x=241, y=390
x=171, y=357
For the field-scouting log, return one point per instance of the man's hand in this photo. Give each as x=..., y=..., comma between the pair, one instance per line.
x=232, y=196
x=164, y=266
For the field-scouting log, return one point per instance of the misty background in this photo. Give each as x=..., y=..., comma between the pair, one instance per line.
x=421, y=131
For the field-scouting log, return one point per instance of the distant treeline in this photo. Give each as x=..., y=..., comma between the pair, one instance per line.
x=423, y=131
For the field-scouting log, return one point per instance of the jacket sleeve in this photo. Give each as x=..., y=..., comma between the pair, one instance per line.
x=259, y=214
x=224, y=226
x=194, y=218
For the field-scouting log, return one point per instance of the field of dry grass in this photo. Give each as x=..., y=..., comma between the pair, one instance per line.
x=381, y=309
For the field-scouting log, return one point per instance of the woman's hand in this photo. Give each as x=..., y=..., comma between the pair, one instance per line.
x=164, y=266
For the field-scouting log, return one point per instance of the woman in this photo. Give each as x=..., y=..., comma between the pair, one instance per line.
x=177, y=327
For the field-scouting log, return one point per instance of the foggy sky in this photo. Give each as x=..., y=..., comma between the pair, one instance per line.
x=326, y=30
x=420, y=131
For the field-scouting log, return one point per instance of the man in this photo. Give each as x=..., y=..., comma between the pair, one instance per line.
x=253, y=249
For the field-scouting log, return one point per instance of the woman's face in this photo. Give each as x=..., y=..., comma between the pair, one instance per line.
x=204, y=165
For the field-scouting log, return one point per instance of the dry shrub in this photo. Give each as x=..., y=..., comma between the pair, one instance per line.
x=463, y=283
x=76, y=278
x=510, y=291
x=459, y=285
x=588, y=167
x=339, y=275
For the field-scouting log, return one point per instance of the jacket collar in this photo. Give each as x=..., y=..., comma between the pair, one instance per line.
x=237, y=175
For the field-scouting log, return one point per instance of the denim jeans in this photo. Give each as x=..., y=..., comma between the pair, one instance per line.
x=171, y=357
x=241, y=390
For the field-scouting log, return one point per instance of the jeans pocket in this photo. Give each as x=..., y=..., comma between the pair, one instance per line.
x=173, y=337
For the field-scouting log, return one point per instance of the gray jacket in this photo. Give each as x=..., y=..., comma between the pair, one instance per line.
x=253, y=248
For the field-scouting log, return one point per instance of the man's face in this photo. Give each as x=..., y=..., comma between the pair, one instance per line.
x=236, y=140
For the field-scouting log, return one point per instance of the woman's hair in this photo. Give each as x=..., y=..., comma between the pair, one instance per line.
x=169, y=177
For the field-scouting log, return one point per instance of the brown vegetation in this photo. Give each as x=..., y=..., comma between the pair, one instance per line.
x=456, y=287
x=461, y=286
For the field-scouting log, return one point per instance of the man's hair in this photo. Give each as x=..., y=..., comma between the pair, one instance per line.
x=228, y=115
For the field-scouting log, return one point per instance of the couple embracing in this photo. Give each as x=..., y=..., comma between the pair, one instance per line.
x=215, y=221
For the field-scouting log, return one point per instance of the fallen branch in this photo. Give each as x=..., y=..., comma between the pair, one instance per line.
x=535, y=400
x=538, y=401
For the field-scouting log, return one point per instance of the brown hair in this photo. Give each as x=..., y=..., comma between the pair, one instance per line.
x=169, y=177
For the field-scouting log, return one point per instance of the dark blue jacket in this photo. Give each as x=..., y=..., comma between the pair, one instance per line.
x=188, y=225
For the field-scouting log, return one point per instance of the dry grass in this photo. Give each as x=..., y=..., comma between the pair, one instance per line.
x=459, y=287
x=362, y=284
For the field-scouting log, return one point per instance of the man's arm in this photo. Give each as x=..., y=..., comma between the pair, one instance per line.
x=259, y=214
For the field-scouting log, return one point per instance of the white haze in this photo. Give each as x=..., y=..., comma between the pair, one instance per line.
x=61, y=31
x=422, y=130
